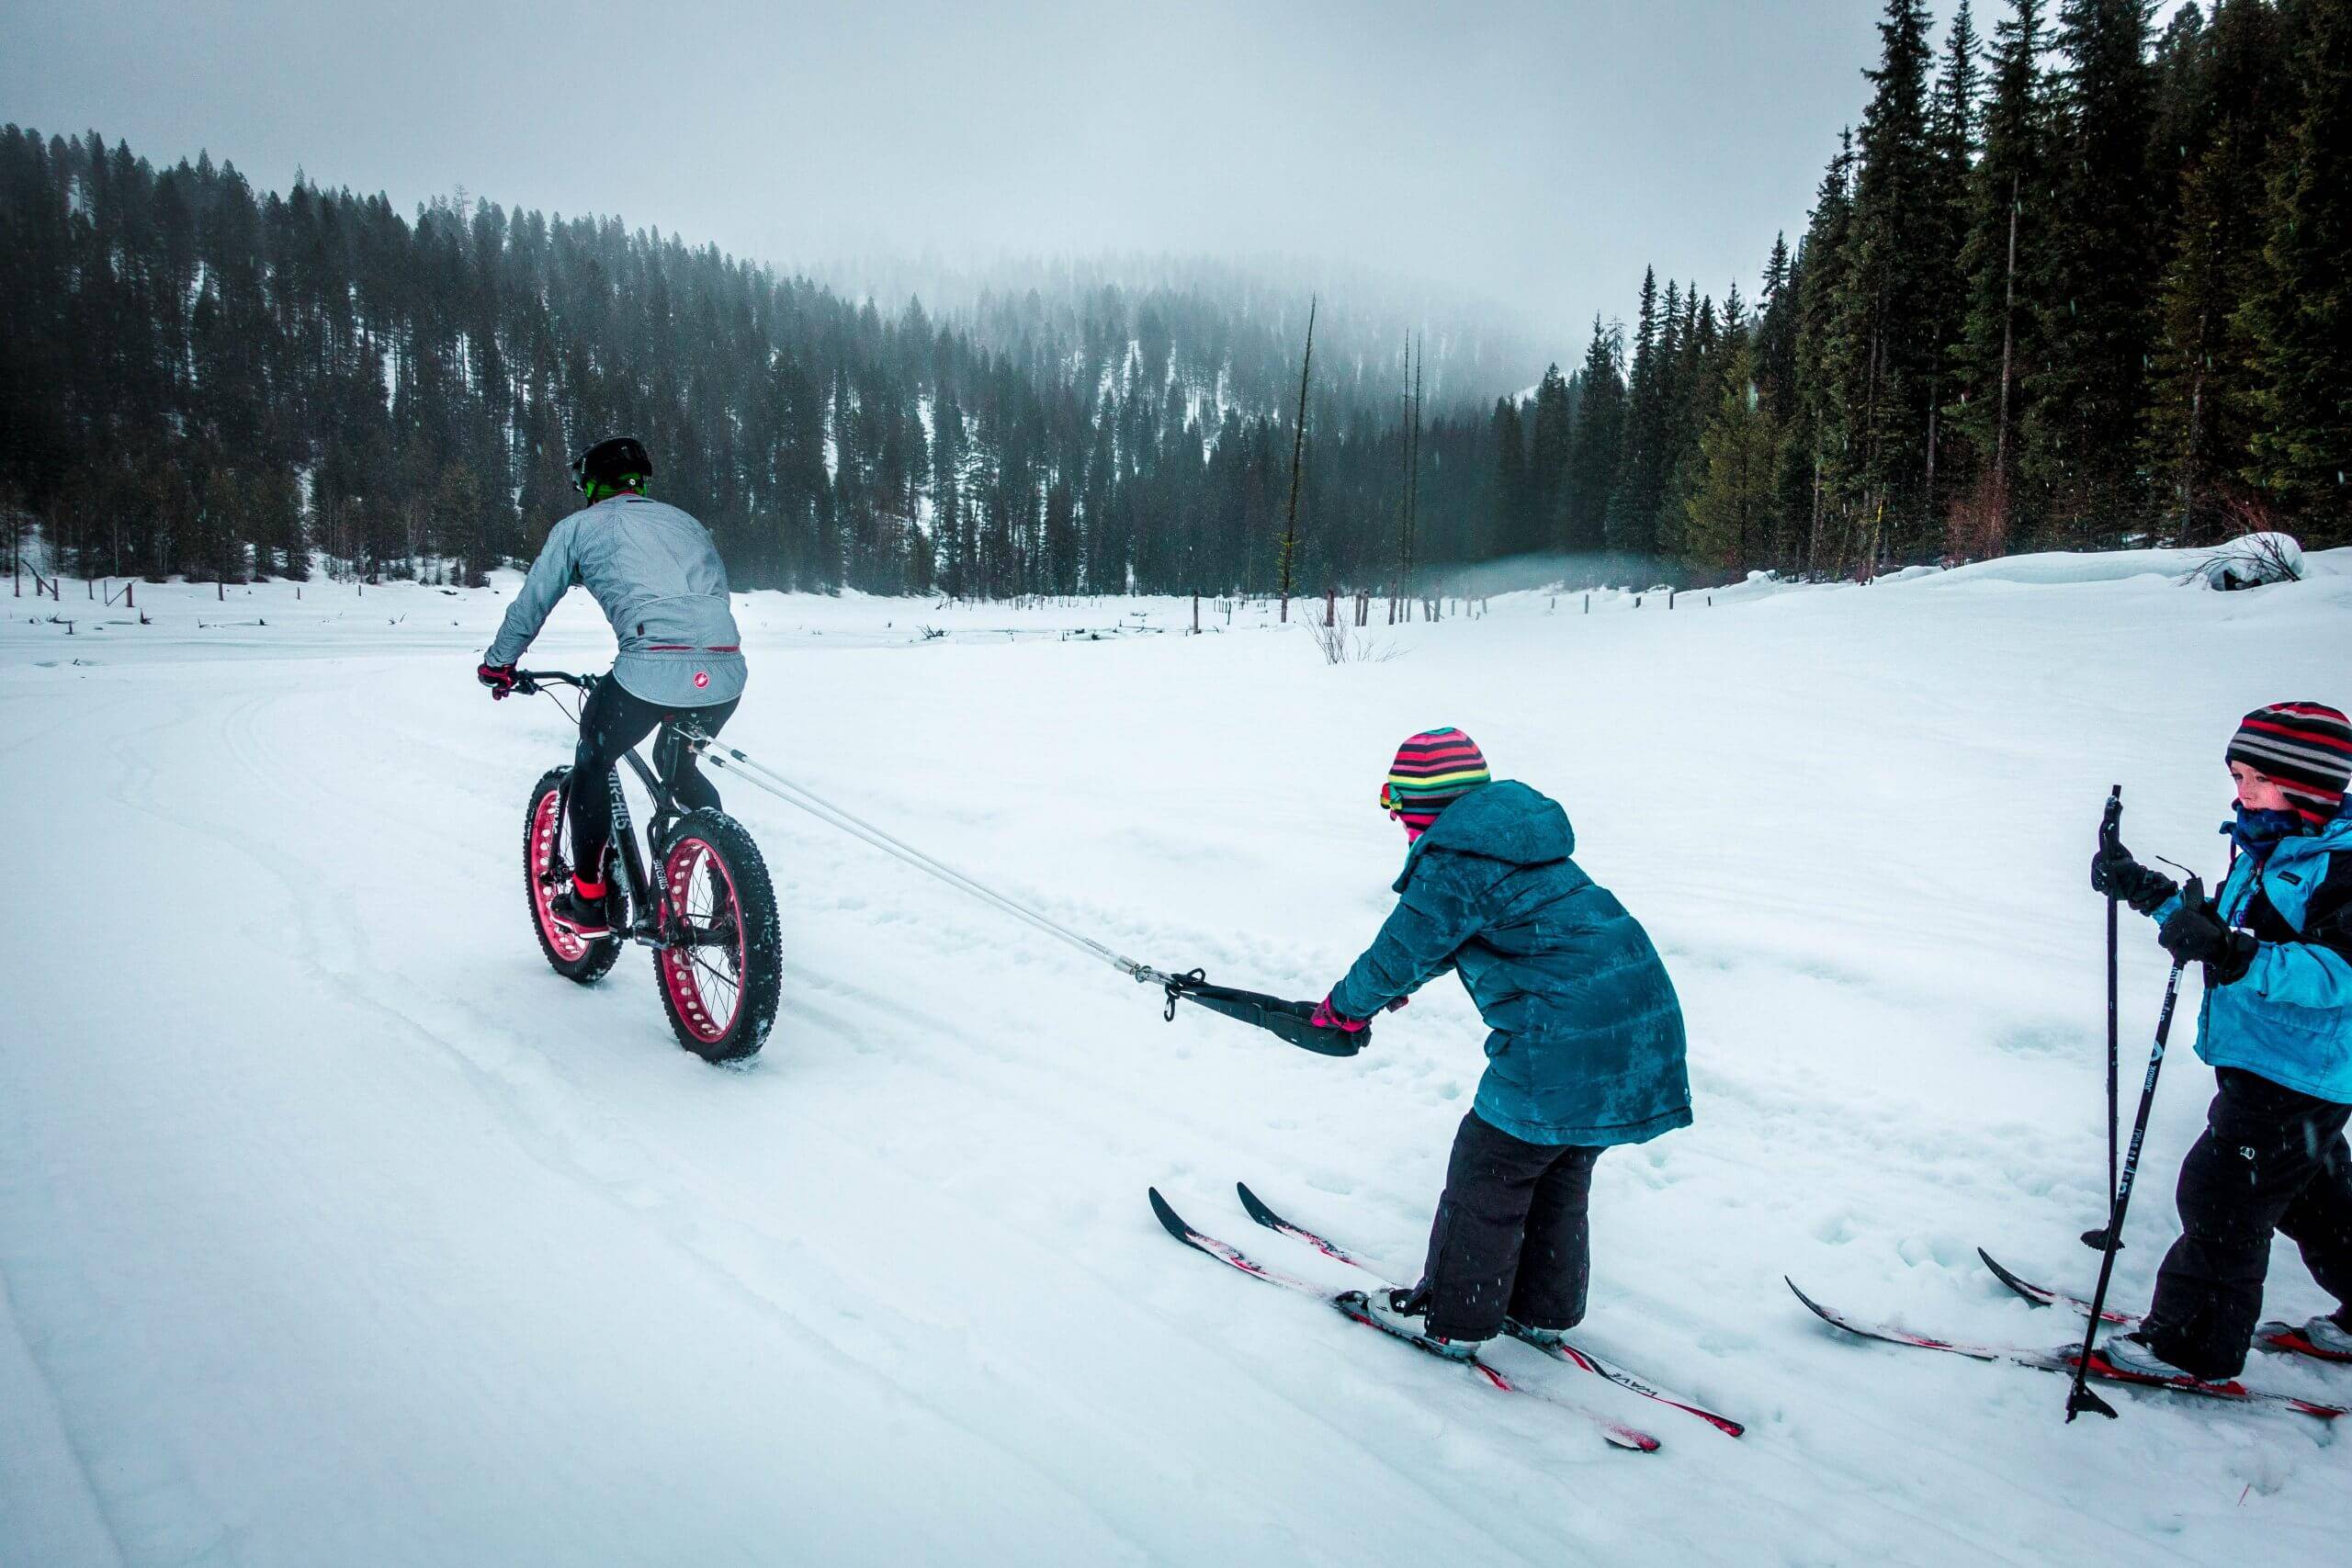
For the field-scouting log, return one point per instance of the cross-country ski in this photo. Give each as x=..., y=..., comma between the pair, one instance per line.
x=2065, y=1359
x=1556, y=1346
x=1351, y=1305
x=2283, y=1338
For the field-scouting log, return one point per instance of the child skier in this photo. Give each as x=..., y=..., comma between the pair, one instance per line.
x=1587, y=1048
x=2276, y=943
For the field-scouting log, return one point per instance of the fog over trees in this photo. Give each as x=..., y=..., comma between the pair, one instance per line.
x=2066, y=283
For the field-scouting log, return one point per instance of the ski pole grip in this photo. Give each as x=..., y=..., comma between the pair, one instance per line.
x=2111, y=820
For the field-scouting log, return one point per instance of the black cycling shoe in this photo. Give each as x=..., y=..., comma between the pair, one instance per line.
x=582, y=915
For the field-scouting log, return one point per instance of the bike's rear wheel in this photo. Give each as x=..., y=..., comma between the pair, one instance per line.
x=544, y=873
x=722, y=972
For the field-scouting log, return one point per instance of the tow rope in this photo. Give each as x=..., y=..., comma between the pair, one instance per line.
x=1288, y=1020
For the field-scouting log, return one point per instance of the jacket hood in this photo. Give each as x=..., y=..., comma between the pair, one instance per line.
x=2331, y=836
x=1505, y=821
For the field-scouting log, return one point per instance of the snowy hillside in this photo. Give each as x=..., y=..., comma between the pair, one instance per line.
x=334, y=1229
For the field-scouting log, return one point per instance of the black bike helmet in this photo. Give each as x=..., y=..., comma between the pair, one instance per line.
x=617, y=462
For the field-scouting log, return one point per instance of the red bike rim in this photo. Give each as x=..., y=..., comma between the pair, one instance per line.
x=706, y=994
x=547, y=822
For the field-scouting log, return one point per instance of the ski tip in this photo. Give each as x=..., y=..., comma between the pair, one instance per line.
x=2013, y=1280
x=1630, y=1440
x=1812, y=1307
x=1254, y=1205
x=1169, y=1217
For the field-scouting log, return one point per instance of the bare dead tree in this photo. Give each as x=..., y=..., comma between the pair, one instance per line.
x=1289, y=556
x=1413, y=471
x=2000, y=522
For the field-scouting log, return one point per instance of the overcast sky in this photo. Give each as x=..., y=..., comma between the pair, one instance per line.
x=1536, y=155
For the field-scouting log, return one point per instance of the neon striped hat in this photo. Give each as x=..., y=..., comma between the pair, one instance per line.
x=2303, y=748
x=1432, y=771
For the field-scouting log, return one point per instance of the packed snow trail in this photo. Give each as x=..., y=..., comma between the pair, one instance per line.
x=334, y=1228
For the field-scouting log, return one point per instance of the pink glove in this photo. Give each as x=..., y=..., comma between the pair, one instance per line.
x=1326, y=1019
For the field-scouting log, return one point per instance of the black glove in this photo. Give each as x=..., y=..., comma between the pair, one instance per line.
x=499, y=677
x=2117, y=875
x=2197, y=934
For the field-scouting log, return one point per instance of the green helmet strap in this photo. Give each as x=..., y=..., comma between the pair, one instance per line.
x=596, y=489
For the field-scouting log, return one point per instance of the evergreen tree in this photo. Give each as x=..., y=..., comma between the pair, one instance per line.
x=1634, y=498
x=2085, y=404
x=1944, y=301
x=2227, y=102
x=1827, y=369
x=1894, y=265
x=1514, y=485
x=1593, y=453
x=1548, y=446
x=1729, y=525
x=1776, y=330
x=2009, y=203
x=2300, y=316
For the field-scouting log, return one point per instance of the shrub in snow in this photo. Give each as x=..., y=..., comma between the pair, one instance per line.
x=2250, y=561
x=1341, y=644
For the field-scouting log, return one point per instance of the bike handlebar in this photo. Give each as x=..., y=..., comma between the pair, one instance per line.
x=528, y=681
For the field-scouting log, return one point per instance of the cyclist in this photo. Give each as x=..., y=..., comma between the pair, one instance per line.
x=655, y=570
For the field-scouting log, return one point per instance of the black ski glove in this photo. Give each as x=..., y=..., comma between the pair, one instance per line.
x=2197, y=934
x=2117, y=875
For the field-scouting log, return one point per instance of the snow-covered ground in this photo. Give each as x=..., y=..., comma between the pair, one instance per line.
x=334, y=1229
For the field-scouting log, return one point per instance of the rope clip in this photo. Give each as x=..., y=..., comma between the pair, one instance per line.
x=1178, y=985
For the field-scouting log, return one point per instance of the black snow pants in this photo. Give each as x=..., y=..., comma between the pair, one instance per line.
x=2269, y=1159
x=613, y=721
x=1513, y=1236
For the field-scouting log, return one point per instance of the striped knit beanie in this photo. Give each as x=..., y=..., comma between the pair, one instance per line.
x=2303, y=748
x=1432, y=771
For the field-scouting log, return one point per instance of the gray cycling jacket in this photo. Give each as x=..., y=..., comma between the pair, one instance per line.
x=659, y=577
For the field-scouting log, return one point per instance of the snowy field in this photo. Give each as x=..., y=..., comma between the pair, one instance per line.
x=334, y=1229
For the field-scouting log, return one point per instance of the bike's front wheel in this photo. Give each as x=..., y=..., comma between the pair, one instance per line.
x=722, y=968
x=546, y=874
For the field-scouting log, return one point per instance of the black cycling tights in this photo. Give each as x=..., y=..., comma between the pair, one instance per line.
x=614, y=721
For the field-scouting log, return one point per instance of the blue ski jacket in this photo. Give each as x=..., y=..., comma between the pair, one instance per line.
x=1588, y=1044
x=2289, y=1017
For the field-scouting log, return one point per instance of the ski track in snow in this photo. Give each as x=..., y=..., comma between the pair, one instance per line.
x=334, y=1228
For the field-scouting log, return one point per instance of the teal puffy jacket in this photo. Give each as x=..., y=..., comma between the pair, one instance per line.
x=2289, y=1017
x=1588, y=1044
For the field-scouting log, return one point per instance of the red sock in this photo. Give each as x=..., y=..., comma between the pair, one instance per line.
x=586, y=889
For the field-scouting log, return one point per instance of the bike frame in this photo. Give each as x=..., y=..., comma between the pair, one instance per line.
x=650, y=922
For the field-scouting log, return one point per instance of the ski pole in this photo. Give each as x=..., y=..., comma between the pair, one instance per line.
x=2080, y=1398
x=2110, y=1236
